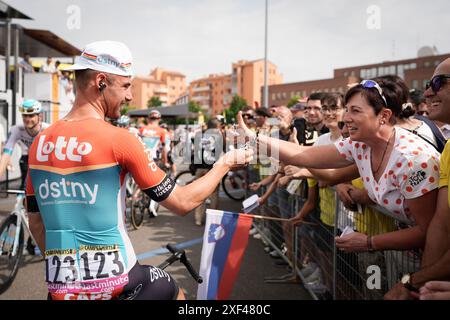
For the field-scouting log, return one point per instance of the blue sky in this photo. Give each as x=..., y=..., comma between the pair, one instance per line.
x=307, y=39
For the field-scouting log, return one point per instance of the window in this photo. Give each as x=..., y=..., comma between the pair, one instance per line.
x=400, y=71
x=427, y=64
x=424, y=83
x=392, y=70
x=380, y=71
x=363, y=74
x=413, y=66
x=274, y=97
x=346, y=74
x=415, y=84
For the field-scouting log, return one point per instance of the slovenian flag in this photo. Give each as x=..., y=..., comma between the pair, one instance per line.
x=224, y=243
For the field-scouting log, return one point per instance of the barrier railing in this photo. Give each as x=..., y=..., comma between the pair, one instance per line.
x=310, y=251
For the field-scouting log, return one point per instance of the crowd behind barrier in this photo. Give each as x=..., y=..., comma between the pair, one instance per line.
x=313, y=259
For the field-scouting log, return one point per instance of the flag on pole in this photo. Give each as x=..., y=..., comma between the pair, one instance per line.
x=224, y=243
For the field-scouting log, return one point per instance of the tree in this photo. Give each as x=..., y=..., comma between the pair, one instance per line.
x=294, y=100
x=236, y=105
x=194, y=107
x=154, y=102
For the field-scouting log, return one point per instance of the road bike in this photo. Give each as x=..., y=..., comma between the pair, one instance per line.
x=12, y=240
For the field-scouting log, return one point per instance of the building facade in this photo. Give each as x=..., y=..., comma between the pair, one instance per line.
x=168, y=86
x=212, y=93
x=416, y=72
x=215, y=92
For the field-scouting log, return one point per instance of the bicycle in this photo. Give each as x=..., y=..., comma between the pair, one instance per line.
x=233, y=183
x=177, y=255
x=12, y=240
x=139, y=204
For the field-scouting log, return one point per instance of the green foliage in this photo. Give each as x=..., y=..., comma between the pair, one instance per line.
x=194, y=107
x=154, y=102
x=294, y=100
x=236, y=105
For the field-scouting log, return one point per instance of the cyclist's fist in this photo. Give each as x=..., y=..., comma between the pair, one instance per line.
x=237, y=157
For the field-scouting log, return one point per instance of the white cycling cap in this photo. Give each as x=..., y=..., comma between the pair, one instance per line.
x=105, y=56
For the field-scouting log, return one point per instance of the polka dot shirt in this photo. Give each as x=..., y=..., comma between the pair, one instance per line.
x=411, y=172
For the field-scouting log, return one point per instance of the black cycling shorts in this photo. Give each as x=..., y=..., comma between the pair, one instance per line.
x=147, y=283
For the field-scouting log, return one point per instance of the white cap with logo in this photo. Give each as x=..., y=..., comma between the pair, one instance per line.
x=105, y=56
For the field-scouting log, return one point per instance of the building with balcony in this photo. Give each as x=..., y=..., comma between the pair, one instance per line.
x=215, y=92
x=168, y=86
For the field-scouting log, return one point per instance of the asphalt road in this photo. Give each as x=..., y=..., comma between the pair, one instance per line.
x=155, y=234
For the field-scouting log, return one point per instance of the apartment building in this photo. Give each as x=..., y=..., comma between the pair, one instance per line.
x=167, y=85
x=215, y=92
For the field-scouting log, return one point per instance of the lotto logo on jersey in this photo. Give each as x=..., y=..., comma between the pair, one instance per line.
x=69, y=149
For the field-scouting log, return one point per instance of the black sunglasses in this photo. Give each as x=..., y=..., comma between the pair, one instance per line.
x=436, y=82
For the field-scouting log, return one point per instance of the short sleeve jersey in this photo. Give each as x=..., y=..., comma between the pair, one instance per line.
x=411, y=172
x=154, y=138
x=445, y=169
x=18, y=134
x=76, y=180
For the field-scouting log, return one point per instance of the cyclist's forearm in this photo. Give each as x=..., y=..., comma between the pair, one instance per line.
x=37, y=229
x=186, y=198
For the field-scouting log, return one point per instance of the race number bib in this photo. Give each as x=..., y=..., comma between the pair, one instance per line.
x=61, y=266
x=100, y=262
x=95, y=263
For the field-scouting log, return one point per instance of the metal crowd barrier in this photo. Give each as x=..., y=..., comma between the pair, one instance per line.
x=311, y=254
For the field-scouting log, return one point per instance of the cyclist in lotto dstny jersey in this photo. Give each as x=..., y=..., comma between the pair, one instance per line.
x=154, y=137
x=76, y=190
x=23, y=135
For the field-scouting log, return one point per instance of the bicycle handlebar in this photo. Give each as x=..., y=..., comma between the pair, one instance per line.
x=12, y=191
x=181, y=255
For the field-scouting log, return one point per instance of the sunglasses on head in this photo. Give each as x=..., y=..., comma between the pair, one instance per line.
x=373, y=84
x=436, y=82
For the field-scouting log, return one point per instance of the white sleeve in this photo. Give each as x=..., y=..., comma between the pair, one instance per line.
x=14, y=136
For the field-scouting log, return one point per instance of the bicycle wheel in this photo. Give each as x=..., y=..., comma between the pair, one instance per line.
x=9, y=264
x=233, y=185
x=138, y=209
x=184, y=178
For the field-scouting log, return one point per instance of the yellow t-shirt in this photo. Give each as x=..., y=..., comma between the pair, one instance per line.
x=371, y=221
x=444, y=169
x=327, y=203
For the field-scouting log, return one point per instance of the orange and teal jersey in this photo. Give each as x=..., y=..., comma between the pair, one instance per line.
x=154, y=138
x=76, y=180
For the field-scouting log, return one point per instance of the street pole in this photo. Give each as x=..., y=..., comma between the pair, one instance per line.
x=266, y=89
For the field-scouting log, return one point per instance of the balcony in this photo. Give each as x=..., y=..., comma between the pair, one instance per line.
x=161, y=90
x=200, y=89
x=201, y=98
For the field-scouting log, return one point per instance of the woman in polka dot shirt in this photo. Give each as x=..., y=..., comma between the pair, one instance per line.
x=399, y=169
